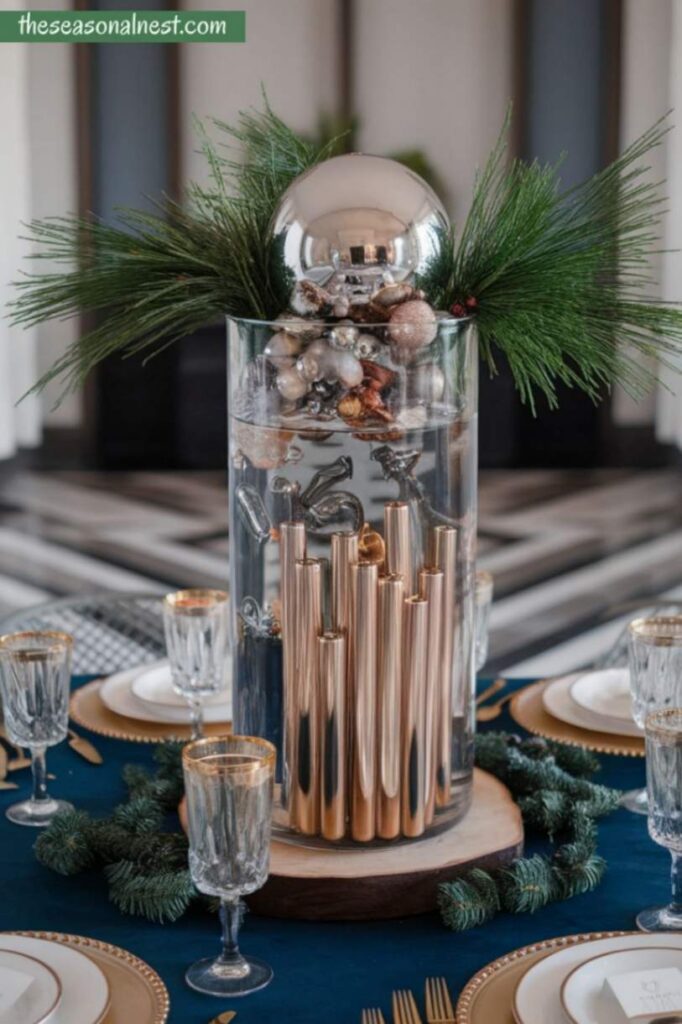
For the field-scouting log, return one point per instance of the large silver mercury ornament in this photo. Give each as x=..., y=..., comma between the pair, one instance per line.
x=354, y=223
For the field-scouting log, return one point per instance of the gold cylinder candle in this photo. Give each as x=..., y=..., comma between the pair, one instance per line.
x=344, y=555
x=444, y=556
x=415, y=629
x=431, y=589
x=397, y=537
x=365, y=578
x=331, y=671
x=389, y=704
x=305, y=789
x=292, y=549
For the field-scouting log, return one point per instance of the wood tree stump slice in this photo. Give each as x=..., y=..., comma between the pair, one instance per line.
x=376, y=882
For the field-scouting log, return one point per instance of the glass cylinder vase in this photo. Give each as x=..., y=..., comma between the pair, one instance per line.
x=353, y=483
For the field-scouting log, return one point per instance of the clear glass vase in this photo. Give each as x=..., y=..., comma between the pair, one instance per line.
x=352, y=568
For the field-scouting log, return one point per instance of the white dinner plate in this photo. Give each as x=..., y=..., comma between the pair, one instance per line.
x=154, y=686
x=85, y=990
x=583, y=997
x=116, y=692
x=39, y=1002
x=537, y=999
x=557, y=700
x=605, y=693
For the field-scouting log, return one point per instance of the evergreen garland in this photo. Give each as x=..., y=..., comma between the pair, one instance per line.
x=146, y=866
x=557, y=279
x=549, y=781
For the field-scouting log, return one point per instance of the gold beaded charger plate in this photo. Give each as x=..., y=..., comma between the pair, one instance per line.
x=137, y=992
x=87, y=709
x=489, y=995
x=528, y=710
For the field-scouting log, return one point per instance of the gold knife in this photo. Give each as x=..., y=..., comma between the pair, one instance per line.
x=85, y=748
x=3, y=771
x=224, y=1018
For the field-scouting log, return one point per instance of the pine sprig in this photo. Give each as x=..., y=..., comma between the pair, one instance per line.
x=559, y=278
x=553, y=802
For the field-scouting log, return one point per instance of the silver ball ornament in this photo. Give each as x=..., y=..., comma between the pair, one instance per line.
x=353, y=223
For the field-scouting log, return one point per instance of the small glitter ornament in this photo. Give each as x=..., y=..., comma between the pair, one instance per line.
x=412, y=324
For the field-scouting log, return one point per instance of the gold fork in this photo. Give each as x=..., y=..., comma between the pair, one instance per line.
x=404, y=1008
x=438, y=1003
x=372, y=1017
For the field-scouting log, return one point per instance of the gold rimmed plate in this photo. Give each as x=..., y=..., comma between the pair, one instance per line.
x=528, y=710
x=489, y=995
x=88, y=710
x=137, y=993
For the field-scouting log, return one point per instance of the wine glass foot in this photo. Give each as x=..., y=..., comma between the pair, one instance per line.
x=635, y=800
x=660, y=919
x=215, y=978
x=37, y=813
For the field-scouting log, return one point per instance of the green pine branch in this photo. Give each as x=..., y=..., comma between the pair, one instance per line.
x=559, y=279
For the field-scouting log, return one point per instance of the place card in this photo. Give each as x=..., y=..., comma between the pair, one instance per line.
x=644, y=996
x=14, y=987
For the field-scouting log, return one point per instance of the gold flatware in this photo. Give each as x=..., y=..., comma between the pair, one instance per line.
x=491, y=711
x=84, y=747
x=438, y=1003
x=372, y=1017
x=19, y=760
x=404, y=1008
x=490, y=691
x=224, y=1018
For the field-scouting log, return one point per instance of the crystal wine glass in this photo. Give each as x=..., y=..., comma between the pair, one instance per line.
x=196, y=626
x=229, y=786
x=35, y=675
x=484, y=599
x=664, y=785
x=655, y=658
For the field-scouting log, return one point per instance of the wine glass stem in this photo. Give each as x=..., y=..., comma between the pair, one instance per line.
x=39, y=770
x=231, y=919
x=676, y=881
x=196, y=719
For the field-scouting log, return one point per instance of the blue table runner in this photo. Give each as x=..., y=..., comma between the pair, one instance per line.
x=325, y=973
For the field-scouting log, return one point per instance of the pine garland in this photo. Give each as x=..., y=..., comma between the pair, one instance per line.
x=549, y=781
x=146, y=866
x=557, y=279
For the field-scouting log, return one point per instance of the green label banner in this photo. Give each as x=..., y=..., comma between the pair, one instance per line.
x=122, y=26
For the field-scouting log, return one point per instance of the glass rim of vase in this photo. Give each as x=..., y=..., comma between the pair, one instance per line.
x=447, y=321
x=657, y=725
x=657, y=631
x=207, y=765
x=55, y=642
x=205, y=598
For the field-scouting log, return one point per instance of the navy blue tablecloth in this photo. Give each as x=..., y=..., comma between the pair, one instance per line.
x=323, y=972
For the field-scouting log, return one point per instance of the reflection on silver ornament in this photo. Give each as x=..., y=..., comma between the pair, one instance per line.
x=355, y=223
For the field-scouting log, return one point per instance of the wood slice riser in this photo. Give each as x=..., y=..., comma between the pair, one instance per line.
x=388, y=882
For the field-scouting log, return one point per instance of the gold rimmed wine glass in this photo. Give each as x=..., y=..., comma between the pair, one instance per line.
x=196, y=626
x=35, y=678
x=655, y=661
x=229, y=786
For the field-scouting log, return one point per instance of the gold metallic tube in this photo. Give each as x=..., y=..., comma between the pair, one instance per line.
x=344, y=554
x=431, y=589
x=305, y=790
x=398, y=547
x=331, y=668
x=365, y=578
x=413, y=715
x=292, y=549
x=389, y=704
x=444, y=551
